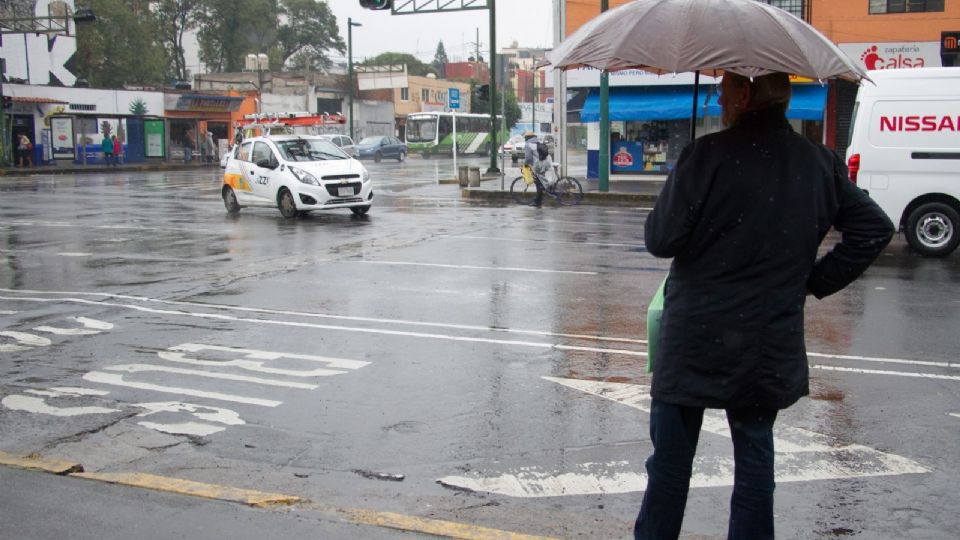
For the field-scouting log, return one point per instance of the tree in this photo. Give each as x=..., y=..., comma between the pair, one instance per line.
x=414, y=66
x=310, y=32
x=175, y=18
x=440, y=61
x=120, y=47
x=230, y=29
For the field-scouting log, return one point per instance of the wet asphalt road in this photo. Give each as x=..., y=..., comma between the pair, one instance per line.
x=490, y=355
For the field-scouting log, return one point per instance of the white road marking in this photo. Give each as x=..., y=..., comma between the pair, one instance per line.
x=223, y=307
x=535, y=241
x=341, y=363
x=893, y=373
x=708, y=471
x=8, y=312
x=886, y=360
x=39, y=405
x=26, y=341
x=77, y=391
x=74, y=254
x=213, y=316
x=806, y=456
x=117, y=380
x=469, y=267
x=955, y=415
x=203, y=412
x=91, y=327
x=195, y=429
x=143, y=368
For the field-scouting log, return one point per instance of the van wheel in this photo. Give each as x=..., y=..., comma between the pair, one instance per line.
x=230, y=201
x=932, y=229
x=286, y=204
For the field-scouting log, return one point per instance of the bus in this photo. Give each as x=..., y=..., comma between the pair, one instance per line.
x=431, y=133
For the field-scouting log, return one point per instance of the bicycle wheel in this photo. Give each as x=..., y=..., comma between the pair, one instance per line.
x=568, y=191
x=522, y=192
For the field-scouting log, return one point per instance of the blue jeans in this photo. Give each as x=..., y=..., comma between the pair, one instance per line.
x=674, y=431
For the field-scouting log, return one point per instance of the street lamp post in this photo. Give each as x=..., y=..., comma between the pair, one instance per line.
x=350, y=25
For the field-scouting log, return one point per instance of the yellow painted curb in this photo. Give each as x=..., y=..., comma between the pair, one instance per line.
x=195, y=489
x=36, y=463
x=449, y=529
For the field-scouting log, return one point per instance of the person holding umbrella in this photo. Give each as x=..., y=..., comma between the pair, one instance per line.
x=743, y=215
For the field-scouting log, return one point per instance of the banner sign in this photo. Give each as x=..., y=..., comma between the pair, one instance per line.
x=61, y=128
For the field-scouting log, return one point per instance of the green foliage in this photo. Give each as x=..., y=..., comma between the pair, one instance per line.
x=138, y=107
x=174, y=19
x=230, y=29
x=120, y=48
x=440, y=60
x=310, y=32
x=105, y=128
x=512, y=109
x=414, y=65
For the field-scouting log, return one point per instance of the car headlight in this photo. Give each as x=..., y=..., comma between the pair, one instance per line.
x=365, y=175
x=304, y=177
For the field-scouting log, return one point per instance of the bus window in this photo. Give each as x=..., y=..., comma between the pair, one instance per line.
x=422, y=129
x=446, y=126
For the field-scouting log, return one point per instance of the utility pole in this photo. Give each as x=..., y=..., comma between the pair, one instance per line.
x=350, y=25
x=604, y=162
x=493, y=89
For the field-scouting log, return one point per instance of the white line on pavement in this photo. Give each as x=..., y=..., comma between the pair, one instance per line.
x=955, y=415
x=117, y=380
x=536, y=241
x=886, y=360
x=141, y=368
x=886, y=372
x=469, y=267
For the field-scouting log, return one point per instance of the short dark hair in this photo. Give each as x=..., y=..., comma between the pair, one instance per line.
x=766, y=91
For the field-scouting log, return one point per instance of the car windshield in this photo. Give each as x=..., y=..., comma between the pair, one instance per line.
x=310, y=150
x=421, y=129
x=370, y=141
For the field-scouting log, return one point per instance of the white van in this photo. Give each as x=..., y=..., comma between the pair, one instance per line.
x=905, y=151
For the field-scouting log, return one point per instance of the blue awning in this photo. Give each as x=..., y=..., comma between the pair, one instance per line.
x=675, y=103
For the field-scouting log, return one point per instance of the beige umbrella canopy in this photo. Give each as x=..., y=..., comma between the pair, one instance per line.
x=711, y=36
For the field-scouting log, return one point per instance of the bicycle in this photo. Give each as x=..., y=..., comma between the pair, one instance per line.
x=565, y=189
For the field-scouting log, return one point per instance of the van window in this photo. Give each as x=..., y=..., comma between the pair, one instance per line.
x=261, y=152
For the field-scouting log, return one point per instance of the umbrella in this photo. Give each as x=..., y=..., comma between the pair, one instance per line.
x=672, y=36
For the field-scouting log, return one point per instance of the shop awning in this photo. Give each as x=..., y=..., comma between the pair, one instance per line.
x=644, y=103
x=675, y=103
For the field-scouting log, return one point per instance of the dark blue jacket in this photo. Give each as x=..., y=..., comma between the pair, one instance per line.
x=743, y=215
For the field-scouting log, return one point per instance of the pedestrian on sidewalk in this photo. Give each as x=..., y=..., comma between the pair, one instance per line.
x=24, y=150
x=117, y=150
x=107, y=146
x=211, y=148
x=742, y=215
x=188, y=145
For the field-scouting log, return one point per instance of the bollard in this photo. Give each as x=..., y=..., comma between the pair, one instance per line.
x=474, y=176
x=463, y=175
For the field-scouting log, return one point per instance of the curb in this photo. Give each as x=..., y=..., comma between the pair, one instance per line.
x=597, y=199
x=94, y=169
x=264, y=500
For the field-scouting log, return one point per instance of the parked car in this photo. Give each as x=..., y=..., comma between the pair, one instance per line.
x=517, y=154
x=296, y=174
x=344, y=142
x=382, y=146
x=507, y=147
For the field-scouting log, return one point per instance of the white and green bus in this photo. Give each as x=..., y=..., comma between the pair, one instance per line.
x=431, y=133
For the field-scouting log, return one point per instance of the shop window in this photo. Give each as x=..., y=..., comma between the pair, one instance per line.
x=404, y=94
x=424, y=95
x=904, y=6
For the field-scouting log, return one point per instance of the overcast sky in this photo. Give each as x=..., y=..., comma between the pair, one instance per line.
x=529, y=22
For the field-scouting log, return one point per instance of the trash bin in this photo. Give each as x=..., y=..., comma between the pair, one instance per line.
x=463, y=175
x=474, y=176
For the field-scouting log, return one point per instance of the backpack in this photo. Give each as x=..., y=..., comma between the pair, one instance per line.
x=543, y=151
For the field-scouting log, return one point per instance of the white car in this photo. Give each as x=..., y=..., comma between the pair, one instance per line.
x=344, y=142
x=295, y=173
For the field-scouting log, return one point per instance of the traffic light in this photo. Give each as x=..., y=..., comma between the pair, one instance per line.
x=7, y=102
x=376, y=4
x=483, y=92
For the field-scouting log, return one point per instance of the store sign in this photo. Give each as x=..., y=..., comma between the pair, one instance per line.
x=590, y=78
x=36, y=56
x=874, y=56
x=950, y=48
x=202, y=103
x=61, y=129
x=627, y=156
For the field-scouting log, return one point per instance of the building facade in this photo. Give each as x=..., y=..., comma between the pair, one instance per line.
x=409, y=93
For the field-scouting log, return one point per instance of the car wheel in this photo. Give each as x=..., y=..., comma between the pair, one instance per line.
x=932, y=229
x=513, y=159
x=286, y=204
x=360, y=210
x=401, y=156
x=378, y=156
x=230, y=201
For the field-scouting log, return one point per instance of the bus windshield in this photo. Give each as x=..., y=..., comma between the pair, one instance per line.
x=421, y=129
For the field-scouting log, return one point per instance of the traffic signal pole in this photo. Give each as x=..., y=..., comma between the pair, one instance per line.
x=604, y=161
x=493, y=89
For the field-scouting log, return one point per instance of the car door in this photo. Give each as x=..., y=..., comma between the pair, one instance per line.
x=393, y=147
x=236, y=173
x=263, y=172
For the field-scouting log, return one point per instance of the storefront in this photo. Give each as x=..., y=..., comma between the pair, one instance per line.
x=650, y=117
x=190, y=116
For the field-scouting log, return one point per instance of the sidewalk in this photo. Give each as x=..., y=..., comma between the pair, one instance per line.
x=623, y=191
x=72, y=168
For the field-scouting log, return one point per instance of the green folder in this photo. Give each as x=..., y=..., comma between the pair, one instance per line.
x=653, y=324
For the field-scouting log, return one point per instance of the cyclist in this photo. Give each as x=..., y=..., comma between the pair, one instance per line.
x=537, y=166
